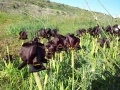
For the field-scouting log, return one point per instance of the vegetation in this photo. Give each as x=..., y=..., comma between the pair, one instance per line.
x=94, y=68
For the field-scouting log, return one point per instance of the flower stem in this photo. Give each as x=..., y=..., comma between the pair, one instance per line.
x=61, y=57
x=31, y=82
x=37, y=79
x=72, y=69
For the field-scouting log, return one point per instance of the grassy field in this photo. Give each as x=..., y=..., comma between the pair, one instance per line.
x=91, y=68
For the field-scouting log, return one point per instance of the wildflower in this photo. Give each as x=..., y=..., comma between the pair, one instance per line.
x=33, y=54
x=23, y=35
x=8, y=58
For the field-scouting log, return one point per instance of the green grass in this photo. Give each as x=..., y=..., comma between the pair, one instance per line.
x=94, y=68
x=91, y=72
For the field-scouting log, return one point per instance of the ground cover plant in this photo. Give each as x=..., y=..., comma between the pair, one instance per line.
x=95, y=66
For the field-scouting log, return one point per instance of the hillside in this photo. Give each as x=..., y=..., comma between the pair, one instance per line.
x=43, y=7
x=31, y=15
x=49, y=14
x=37, y=7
